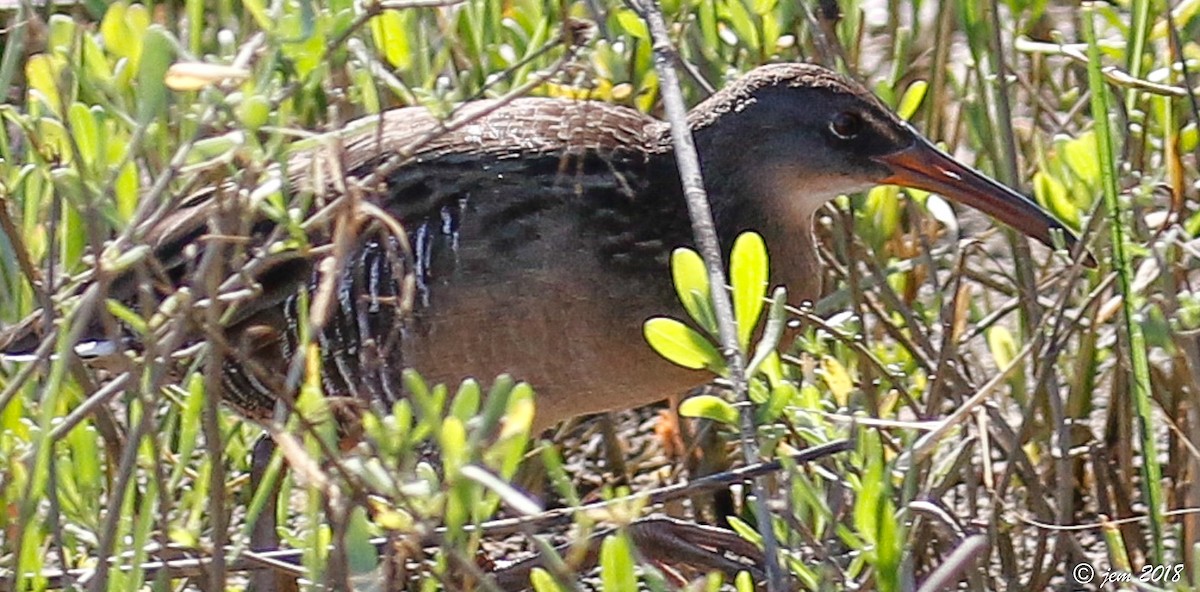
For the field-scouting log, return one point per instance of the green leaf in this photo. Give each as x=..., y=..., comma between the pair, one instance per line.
x=95, y=63
x=86, y=463
x=763, y=7
x=465, y=404
x=506, y=455
x=494, y=402
x=710, y=407
x=632, y=24
x=216, y=147
x=157, y=55
x=54, y=136
x=85, y=132
x=258, y=10
x=616, y=564
x=1053, y=194
x=41, y=73
x=692, y=287
x=126, y=315
x=389, y=31
x=72, y=233
x=911, y=100
x=682, y=345
x=744, y=582
x=137, y=20
x=837, y=379
x=766, y=355
x=126, y=191
x=189, y=423
x=742, y=23
x=875, y=516
x=1080, y=156
x=713, y=582
x=368, y=94
x=748, y=273
x=255, y=111
x=62, y=34
x=362, y=556
x=647, y=96
x=781, y=397
x=745, y=531
x=542, y=581
x=115, y=33
x=1002, y=345
x=708, y=28
x=1189, y=136
x=772, y=29
x=882, y=214
x=758, y=392
x=453, y=439
x=427, y=404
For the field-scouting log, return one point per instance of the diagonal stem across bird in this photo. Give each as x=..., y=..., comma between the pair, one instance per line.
x=534, y=239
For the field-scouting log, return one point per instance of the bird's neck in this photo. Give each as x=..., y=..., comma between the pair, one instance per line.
x=791, y=245
x=794, y=259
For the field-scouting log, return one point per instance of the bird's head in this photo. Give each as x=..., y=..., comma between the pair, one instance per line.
x=802, y=135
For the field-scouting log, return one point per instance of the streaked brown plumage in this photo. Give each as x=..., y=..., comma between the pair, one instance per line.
x=539, y=236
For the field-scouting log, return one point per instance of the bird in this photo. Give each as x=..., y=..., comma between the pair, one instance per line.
x=535, y=239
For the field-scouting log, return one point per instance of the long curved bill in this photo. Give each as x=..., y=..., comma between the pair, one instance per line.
x=923, y=166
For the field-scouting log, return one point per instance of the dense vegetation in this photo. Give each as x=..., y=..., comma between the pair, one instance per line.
x=1060, y=382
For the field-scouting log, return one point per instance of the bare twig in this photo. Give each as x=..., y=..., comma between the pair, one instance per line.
x=709, y=246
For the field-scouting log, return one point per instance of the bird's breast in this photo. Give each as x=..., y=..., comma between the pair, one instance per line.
x=545, y=270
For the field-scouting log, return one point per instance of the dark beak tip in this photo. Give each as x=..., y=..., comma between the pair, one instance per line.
x=1071, y=243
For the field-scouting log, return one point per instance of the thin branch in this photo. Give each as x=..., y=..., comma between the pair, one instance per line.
x=709, y=246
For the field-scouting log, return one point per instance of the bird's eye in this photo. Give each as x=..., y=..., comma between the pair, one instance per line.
x=846, y=124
